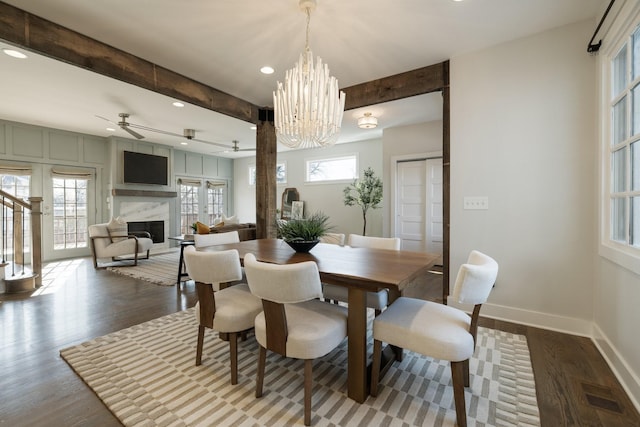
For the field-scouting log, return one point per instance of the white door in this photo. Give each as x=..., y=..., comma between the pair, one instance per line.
x=435, y=236
x=419, y=205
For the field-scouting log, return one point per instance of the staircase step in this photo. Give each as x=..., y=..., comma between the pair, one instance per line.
x=20, y=283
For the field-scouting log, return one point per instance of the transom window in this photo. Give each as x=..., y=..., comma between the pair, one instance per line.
x=624, y=144
x=343, y=168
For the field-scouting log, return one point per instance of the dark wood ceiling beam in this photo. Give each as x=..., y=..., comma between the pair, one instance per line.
x=38, y=35
x=410, y=83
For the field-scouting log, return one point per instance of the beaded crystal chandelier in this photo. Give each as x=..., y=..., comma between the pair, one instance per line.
x=308, y=107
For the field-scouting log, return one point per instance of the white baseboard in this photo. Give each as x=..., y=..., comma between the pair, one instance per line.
x=537, y=319
x=628, y=378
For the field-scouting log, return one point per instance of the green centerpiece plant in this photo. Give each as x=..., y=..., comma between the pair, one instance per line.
x=304, y=233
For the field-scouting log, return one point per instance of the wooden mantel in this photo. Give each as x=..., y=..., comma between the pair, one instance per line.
x=143, y=193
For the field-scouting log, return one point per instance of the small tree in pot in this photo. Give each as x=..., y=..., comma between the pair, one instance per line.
x=366, y=193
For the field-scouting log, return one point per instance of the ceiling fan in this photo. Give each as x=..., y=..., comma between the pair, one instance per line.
x=189, y=134
x=236, y=148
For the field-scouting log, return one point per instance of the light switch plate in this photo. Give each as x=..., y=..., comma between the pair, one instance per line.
x=476, y=203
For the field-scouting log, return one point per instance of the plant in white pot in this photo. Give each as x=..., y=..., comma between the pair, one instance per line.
x=304, y=233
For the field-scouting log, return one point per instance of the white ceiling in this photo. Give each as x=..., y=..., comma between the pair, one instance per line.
x=223, y=44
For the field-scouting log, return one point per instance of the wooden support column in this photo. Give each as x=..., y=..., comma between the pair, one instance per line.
x=266, y=158
x=446, y=181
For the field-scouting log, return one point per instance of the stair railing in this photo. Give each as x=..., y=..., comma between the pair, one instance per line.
x=13, y=225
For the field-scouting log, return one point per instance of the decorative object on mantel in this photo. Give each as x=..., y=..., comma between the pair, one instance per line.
x=367, y=121
x=366, y=193
x=308, y=108
x=304, y=233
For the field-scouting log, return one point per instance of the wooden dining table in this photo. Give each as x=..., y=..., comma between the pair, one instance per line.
x=358, y=269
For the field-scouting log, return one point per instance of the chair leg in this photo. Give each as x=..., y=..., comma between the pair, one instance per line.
x=233, y=355
x=308, y=386
x=262, y=358
x=199, y=345
x=466, y=373
x=457, y=375
x=375, y=367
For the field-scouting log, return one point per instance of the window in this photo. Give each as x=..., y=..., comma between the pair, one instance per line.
x=281, y=174
x=215, y=199
x=17, y=183
x=188, y=203
x=332, y=169
x=621, y=201
x=69, y=213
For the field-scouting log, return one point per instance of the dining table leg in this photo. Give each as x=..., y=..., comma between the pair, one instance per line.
x=357, y=350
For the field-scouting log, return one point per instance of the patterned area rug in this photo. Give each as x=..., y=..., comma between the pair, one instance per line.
x=146, y=375
x=161, y=269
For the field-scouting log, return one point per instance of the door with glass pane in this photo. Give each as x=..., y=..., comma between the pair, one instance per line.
x=68, y=214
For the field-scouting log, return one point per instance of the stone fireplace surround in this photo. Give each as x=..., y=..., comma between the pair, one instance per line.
x=136, y=211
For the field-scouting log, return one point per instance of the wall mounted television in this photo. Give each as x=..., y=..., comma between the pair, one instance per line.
x=140, y=168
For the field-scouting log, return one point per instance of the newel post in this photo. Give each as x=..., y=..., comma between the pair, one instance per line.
x=36, y=238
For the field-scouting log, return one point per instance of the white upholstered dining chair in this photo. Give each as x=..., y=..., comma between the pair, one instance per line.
x=294, y=323
x=333, y=239
x=376, y=300
x=204, y=240
x=230, y=311
x=439, y=331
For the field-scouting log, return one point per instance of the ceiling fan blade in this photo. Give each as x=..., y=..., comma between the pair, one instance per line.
x=131, y=131
x=217, y=144
x=104, y=118
x=164, y=132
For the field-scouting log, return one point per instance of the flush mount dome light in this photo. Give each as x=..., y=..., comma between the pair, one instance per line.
x=367, y=121
x=14, y=53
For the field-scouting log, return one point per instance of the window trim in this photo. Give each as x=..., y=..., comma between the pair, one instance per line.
x=620, y=33
x=307, y=160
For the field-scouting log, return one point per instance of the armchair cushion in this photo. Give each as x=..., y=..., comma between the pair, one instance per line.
x=117, y=229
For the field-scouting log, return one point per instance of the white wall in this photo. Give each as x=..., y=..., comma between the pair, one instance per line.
x=523, y=134
x=327, y=198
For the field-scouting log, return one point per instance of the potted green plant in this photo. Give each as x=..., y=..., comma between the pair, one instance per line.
x=304, y=233
x=366, y=193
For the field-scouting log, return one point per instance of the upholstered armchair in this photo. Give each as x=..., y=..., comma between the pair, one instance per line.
x=294, y=322
x=112, y=240
x=439, y=331
x=229, y=310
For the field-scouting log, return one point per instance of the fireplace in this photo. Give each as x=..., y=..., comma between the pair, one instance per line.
x=155, y=228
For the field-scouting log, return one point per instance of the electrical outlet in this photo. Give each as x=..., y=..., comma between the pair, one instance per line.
x=476, y=203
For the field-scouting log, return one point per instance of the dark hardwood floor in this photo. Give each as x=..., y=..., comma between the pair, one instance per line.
x=574, y=385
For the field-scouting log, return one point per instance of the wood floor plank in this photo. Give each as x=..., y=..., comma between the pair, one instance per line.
x=78, y=303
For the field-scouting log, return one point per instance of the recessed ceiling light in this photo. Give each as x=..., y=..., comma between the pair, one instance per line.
x=184, y=143
x=253, y=127
x=111, y=129
x=266, y=70
x=178, y=104
x=14, y=53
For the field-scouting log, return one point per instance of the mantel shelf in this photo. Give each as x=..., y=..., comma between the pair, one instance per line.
x=143, y=193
